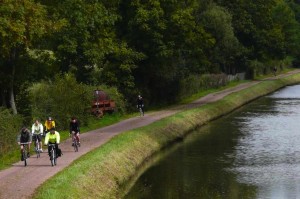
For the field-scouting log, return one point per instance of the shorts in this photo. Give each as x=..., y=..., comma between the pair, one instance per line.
x=37, y=136
x=75, y=133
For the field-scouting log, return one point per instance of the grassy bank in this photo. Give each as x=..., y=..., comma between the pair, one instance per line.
x=103, y=172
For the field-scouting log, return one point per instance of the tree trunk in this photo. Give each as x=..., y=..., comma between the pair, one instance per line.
x=12, y=100
x=11, y=86
x=3, y=98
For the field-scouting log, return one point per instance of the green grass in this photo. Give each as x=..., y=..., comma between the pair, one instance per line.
x=209, y=91
x=104, y=172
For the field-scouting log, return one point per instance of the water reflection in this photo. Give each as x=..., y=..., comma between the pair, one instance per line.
x=252, y=153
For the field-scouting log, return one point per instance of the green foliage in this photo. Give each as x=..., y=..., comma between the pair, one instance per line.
x=64, y=98
x=197, y=83
x=9, y=129
x=88, y=45
x=227, y=49
x=139, y=46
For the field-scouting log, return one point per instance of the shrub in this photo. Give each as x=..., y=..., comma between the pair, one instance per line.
x=9, y=129
x=64, y=98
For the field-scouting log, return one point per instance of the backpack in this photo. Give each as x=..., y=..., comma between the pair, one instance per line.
x=58, y=152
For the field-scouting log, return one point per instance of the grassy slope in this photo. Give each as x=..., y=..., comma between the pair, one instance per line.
x=103, y=172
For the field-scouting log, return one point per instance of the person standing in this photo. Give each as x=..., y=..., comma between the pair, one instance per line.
x=74, y=129
x=37, y=131
x=24, y=137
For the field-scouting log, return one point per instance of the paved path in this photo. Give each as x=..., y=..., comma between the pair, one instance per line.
x=20, y=182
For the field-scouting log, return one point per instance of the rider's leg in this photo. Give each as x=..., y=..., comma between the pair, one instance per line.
x=56, y=150
x=40, y=143
x=49, y=149
x=78, y=138
x=28, y=152
x=41, y=149
x=73, y=136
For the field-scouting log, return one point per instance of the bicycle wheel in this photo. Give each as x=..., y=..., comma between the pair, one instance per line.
x=25, y=157
x=55, y=160
x=38, y=153
x=52, y=157
x=75, y=146
x=37, y=150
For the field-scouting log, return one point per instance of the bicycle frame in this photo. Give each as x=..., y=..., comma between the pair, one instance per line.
x=53, y=158
x=37, y=147
x=24, y=152
x=75, y=142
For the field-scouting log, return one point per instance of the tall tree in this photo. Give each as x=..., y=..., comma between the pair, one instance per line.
x=88, y=45
x=227, y=48
x=174, y=43
x=21, y=23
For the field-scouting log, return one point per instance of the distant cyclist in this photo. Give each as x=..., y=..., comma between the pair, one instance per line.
x=74, y=127
x=24, y=137
x=49, y=124
x=37, y=131
x=52, y=137
x=274, y=70
x=140, y=103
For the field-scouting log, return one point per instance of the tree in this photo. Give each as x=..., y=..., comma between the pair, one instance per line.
x=88, y=45
x=21, y=23
x=227, y=48
x=172, y=40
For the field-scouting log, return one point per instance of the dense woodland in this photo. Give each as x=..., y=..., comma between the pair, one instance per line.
x=54, y=52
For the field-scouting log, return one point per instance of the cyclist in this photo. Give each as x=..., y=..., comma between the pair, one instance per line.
x=37, y=131
x=140, y=103
x=74, y=127
x=274, y=70
x=52, y=137
x=49, y=124
x=23, y=137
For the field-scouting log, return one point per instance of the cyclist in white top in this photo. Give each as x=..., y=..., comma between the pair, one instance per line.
x=37, y=130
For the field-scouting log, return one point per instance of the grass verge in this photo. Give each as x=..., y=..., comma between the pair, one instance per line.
x=105, y=171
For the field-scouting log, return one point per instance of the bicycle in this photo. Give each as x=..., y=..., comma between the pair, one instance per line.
x=75, y=142
x=37, y=146
x=24, y=153
x=53, y=158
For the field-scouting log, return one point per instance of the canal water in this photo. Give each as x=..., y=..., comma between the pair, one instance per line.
x=253, y=152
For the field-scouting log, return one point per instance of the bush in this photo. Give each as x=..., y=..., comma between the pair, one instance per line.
x=64, y=98
x=9, y=129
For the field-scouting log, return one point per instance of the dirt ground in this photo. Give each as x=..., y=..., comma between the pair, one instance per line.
x=20, y=182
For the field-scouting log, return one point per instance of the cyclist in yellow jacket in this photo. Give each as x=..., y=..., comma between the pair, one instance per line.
x=52, y=137
x=49, y=124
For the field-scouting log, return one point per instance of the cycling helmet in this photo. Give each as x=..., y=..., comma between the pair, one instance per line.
x=49, y=118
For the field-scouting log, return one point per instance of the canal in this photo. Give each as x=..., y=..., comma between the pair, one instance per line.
x=253, y=152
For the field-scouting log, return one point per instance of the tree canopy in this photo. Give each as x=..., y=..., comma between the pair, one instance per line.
x=141, y=47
